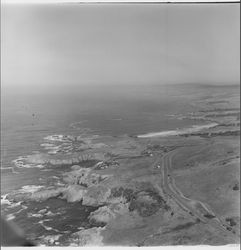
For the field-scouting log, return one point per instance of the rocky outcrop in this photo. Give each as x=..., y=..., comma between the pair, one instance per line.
x=87, y=237
x=81, y=185
x=107, y=213
x=73, y=193
x=106, y=164
x=84, y=177
x=45, y=160
x=74, y=160
x=96, y=195
x=102, y=215
x=38, y=195
x=46, y=194
x=147, y=202
x=76, y=176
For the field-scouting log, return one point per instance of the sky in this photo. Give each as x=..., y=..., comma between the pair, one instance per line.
x=89, y=1
x=59, y=44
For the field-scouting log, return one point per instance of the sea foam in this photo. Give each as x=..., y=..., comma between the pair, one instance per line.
x=4, y=200
x=20, y=162
x=59, y=138
x=30, y=189
x=9, y=203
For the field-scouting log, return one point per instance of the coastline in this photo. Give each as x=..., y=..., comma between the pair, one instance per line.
x=83, y=187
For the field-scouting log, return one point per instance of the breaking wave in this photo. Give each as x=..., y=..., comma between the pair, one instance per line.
x=20, y=163
x=30, y=189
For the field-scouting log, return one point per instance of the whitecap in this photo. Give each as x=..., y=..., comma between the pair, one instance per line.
x=51, y=239
x=10, y=204
x=44, y=226
x=49, y=213
x=32, y=166
x=20, y=163
x=60, y=138
x=30, y=189
x=42, y=211
x=52, y=148
x=4, y=200
x=48, y=228
x=39, y=166
x=53, y=152
x=24, y=207
x=34, y=215
x=60, y=184
x=10, y=217
x=15, y=204
x=20, y=210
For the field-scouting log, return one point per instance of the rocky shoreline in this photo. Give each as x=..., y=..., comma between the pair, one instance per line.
x=119, y=182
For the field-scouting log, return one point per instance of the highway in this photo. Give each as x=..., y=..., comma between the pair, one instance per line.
x=194, y=208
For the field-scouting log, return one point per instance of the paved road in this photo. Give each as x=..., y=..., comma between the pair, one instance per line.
x=195, y=208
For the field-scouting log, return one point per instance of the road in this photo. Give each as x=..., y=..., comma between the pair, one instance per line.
x=194, y=208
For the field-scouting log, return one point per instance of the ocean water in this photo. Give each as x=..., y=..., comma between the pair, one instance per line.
x=28, y=117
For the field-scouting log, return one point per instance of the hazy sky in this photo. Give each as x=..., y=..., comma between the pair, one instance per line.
x=63, y=44
x=91, y=1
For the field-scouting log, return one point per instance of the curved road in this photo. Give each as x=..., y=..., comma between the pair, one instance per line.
x=195, y=208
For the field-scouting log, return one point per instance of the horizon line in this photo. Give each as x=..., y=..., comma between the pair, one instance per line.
x=19, y=2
